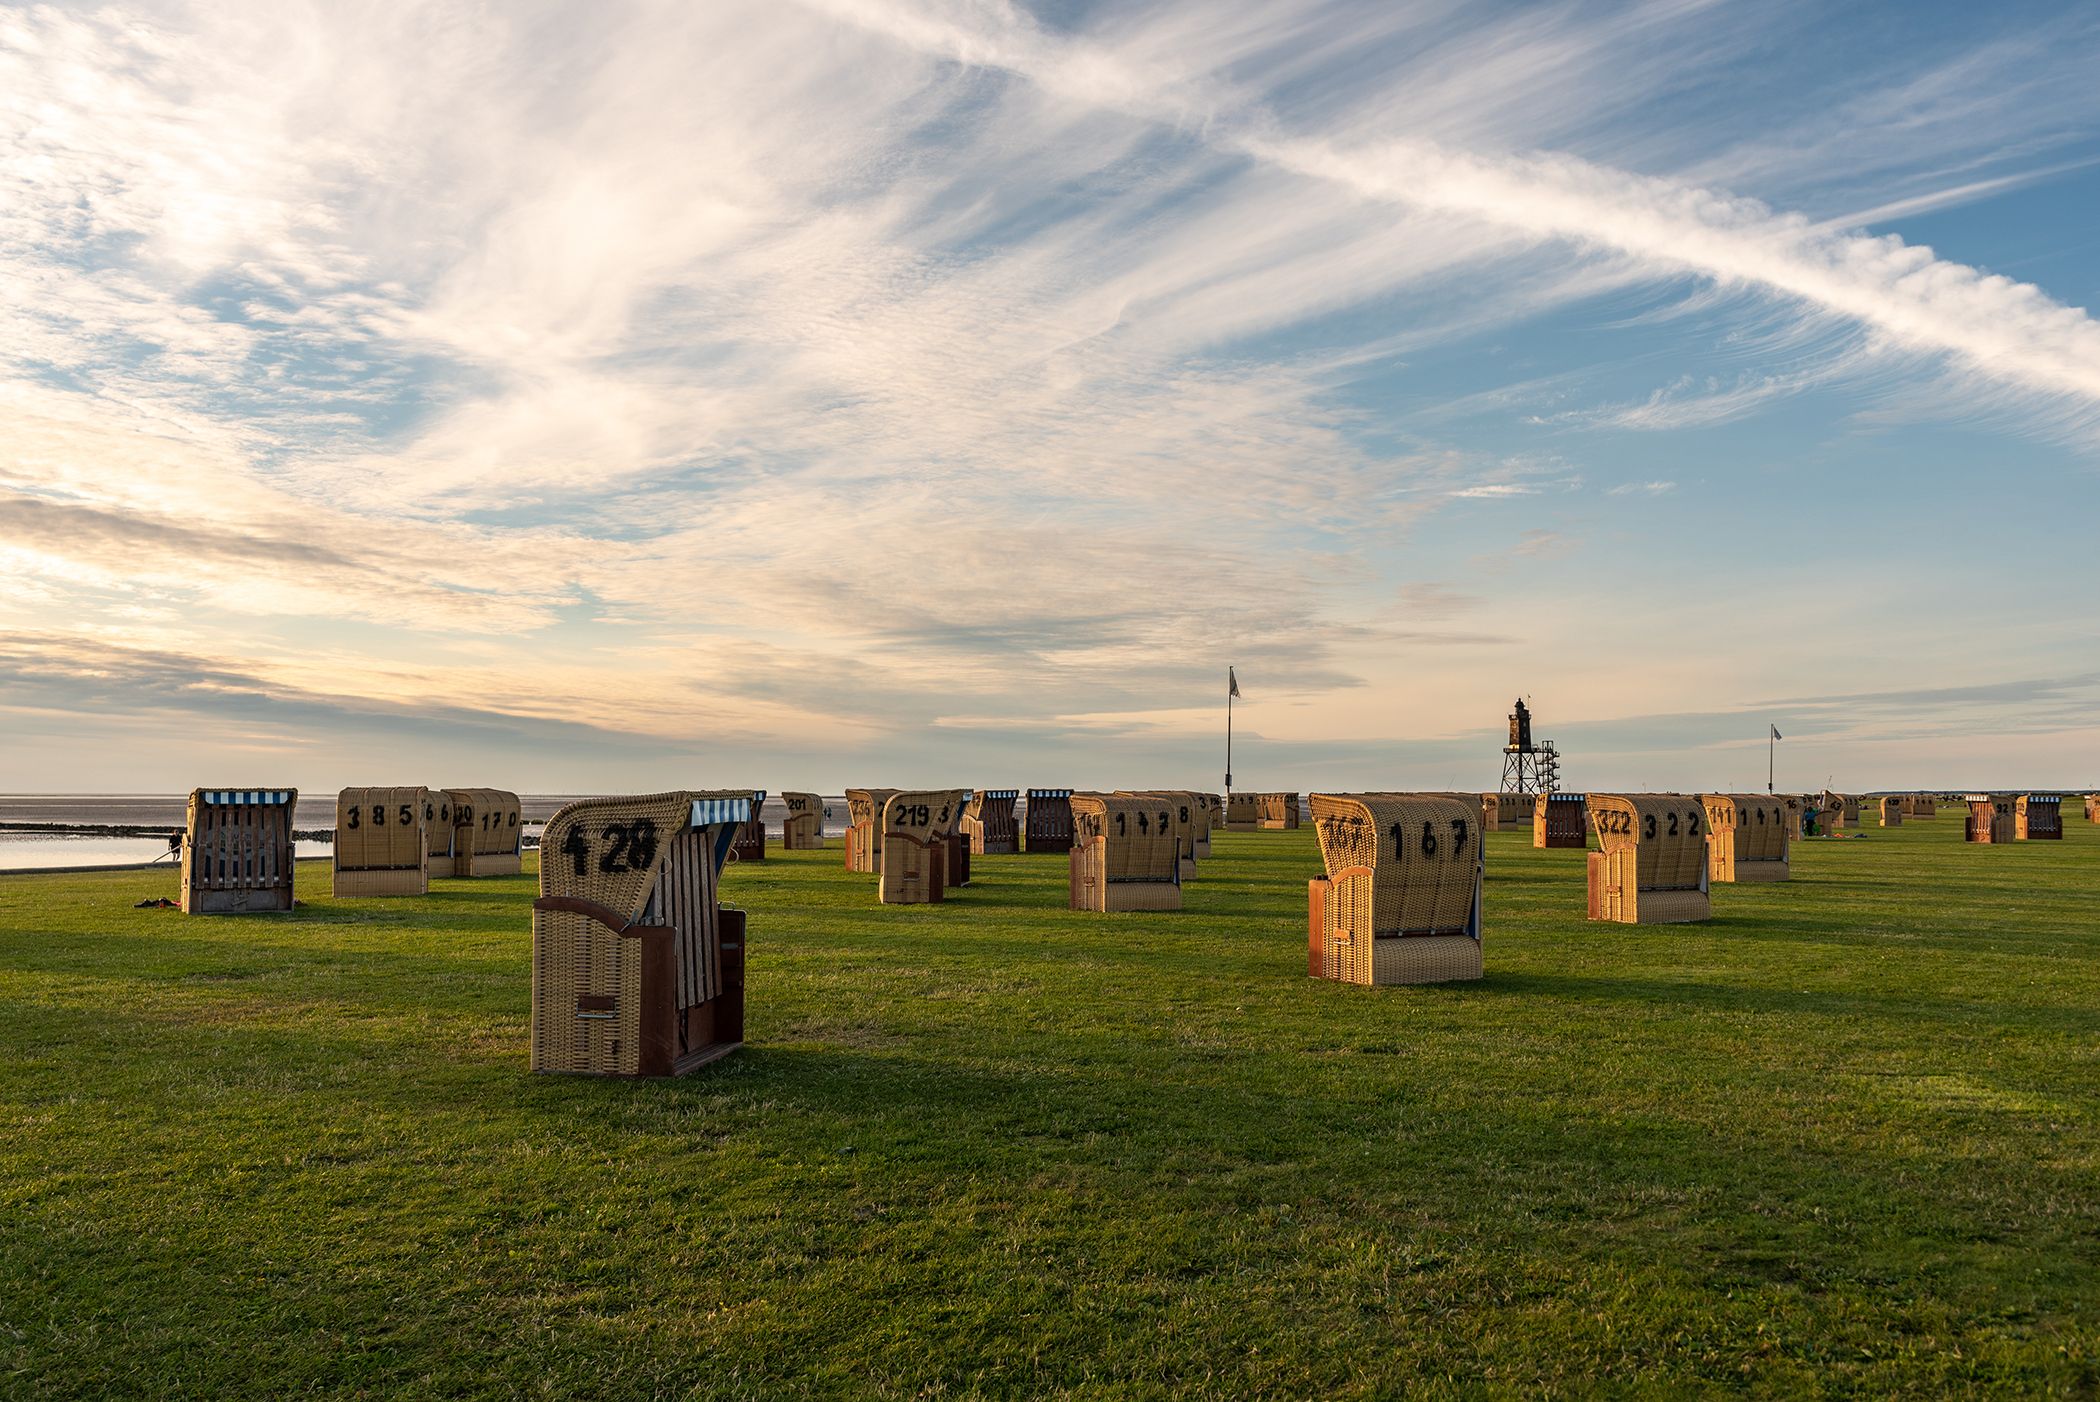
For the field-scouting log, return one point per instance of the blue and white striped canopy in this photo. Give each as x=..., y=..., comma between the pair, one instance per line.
x=1567, y=798
x=707, y=812
x=262, y=798
x=1000, y=793
x=1049, y=793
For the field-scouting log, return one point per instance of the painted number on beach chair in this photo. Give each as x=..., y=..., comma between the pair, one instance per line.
x=632, y=847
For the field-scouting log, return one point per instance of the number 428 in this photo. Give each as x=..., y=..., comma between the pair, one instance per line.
x=629, y=847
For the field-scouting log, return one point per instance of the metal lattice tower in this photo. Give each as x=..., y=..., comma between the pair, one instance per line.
x=1528, y=768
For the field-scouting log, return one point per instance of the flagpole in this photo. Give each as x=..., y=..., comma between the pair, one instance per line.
x=1228, y=734
x=1771, y=756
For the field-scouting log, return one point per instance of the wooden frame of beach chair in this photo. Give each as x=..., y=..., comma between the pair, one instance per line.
x=1990, y=819
x=238, y=852
x=1046, y=826
x=1560, y=820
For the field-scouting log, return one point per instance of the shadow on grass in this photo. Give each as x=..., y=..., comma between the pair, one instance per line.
x=1895, y=1004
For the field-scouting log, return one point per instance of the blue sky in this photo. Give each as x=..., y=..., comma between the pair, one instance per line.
x=817, y=392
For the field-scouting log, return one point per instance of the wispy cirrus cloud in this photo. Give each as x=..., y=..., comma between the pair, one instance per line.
x=1992, y=327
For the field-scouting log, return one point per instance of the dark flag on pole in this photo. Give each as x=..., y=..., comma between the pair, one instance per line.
x=1233, y=681
x=1776, y=735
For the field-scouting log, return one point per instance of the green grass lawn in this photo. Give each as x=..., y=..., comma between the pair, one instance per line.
x=1844, y=1138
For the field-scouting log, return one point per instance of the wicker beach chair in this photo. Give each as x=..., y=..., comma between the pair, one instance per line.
x=489, y=836
x=1652, y=869
x=989, y=823
x=916, y=827
x=864, y=828
x=1990, y=819
x=439, y=831
x=1747, y=837
x=1400, y=900
x=382, y=842
x=1124, y=855
x=637, y=969
x=2038, y=817
x=803, y=828
x=1184, y=811
x=955, y=864
x=1209, y=821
